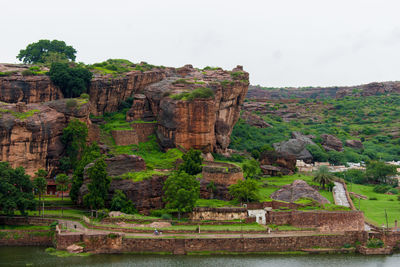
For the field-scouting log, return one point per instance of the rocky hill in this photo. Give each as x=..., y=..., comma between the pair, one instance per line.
x=375, y=88
x=192, y=108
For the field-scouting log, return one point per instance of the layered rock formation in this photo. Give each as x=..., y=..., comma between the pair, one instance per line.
x=272, y=161
x=331, y=142
x=30, y=135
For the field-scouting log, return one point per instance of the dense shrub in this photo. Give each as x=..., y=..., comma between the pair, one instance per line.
x=73, y=81
x=375, y=243
x=382, y=188
x=195, y=94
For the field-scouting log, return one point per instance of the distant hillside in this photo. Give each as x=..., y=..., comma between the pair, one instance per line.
x=372, y=119
x=259, y=92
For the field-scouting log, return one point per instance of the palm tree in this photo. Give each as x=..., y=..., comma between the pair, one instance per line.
x=323, y=176
x=62, y=182
x=40, y=183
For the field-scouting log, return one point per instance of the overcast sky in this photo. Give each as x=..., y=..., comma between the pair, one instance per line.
x=279, y=42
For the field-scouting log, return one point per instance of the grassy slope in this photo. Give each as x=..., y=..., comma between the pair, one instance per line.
x=374, y=119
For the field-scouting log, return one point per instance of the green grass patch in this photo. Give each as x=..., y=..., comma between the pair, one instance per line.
x=214, y=203
x=194, y=94
x=24, y=227
x=142, y=175
x=63, y=253
x=20, y=115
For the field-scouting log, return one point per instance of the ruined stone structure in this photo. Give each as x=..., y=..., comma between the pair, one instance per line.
x=218, y=214
x=222, y=173
x=139, y=133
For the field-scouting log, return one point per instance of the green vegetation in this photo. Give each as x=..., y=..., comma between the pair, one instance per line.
x=192, y=161
x=74, y=138
x=16, y=190
x=98, y=187
x=246, y=190
x=194, y=94
x=73, y=81
x=34, y=70
x=120, y=202
x=375, y=243
x=20, y=115
x=119, y=66
x=62, y=182
x=40, y=183
x=24, y=227
x=214, y=203
x=45, y=50
x=63, y=253
x=374, y=120
x=181, y=191
x=7, y=73
x=141, y=175
x=323, y=176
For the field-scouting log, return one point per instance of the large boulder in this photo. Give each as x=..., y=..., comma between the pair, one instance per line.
x=298, y=189
x=278, y=161
x=357, y=144
x=330, y=142
x=296, y=146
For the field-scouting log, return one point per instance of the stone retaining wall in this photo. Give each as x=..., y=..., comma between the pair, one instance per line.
x=26, y=238
x=218, y=214
x=5, y=220
x=222, y=173
x=139, y=133
x=144, y=130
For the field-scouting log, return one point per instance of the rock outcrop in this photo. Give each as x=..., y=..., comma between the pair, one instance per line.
x=330, y=142
x=297, y=146
x=273, y=161
x=30, y=89
x=254, y=120
x=354, y=144
x=298, y=189
x=30, y=135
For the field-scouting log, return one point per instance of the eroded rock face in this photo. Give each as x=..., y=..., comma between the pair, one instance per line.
x=30, y=136
x=354, y=144
x=298, y=189
x=31, y=89
x=204, y=124
x=330, y=142
x=254, y=120
x=285, y=163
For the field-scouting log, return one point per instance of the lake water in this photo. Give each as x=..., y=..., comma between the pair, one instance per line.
x=36, y=256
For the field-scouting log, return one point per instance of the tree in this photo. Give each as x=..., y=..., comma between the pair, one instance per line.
x=98, y=187
x=181, y=191
x=16, y=190
x=89, y=154
x=72, y=81
x=121, y=203
x=37, y=52
x=245, y=190
x=62, y=182
x=74, y=138
x=379, y=172
x=40, y=183
x=251, y=168
x=192, y=161
x=323, y=176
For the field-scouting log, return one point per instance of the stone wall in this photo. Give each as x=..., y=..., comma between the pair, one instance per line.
x=25, y=238
x=218, y=214
x=144, y=130
x=222, y=173
x=125, y=137
x=323, y=220
x=22, y=220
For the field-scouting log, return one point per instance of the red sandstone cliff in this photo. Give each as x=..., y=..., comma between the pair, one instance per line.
x=30, y=135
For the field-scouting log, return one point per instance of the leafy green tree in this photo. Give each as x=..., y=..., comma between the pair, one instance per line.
x=245, y=190
x=74, y=138
x=73, y=81
x=323, y=176
x=181, y=191
x=98, y=187
x=251, y=168
x=16, y=190
x=121, y=203
x=90, y=154
x=62, y=183
x=192, y=161
x=380, y=172
x=37, y=52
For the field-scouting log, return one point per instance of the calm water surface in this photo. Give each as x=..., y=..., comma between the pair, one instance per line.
x=36, y=256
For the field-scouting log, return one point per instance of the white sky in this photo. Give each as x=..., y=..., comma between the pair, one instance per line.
x=279, y=42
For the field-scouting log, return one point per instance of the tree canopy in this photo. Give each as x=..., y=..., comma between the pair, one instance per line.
x=72, y=81
x=121, y=203
x=39, y=51
x=15, y=190
x=39, y=182
x=246, y=190
x=323, y=176
x=181, y=191
x=380, y=172
x=192, y=161
x=98, y=187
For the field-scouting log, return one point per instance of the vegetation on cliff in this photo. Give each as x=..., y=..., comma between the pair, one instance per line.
x=98, y=186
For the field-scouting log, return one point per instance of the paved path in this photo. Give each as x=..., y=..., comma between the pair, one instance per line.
x=340, y=195
x=341, y=199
